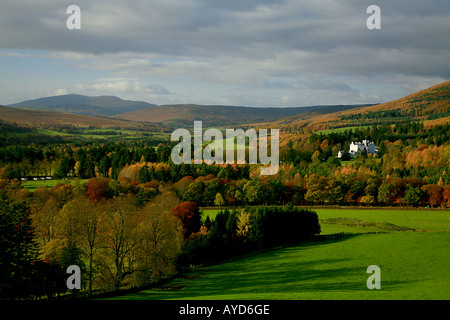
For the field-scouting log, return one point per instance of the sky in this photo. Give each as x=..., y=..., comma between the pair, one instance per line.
x=264, y=53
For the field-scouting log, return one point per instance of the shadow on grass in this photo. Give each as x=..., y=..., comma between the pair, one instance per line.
x=275, y=273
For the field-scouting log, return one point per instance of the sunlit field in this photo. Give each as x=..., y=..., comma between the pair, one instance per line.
x=414, y=264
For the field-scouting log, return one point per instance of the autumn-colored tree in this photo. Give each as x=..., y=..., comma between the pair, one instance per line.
x=120, y=221
x=446, y=195
x=189, y=214
x=44, y=218
x=393, y=158
x=97, y=189
x=76, y=239
x=40, y=196
x=161, y=238
x=333, y=192
x=349, y=198
x=64, y=192
x=316, y=157
x=181, y=185
x=218, y=200
x=427, y=156
x=86, y=222
x=371, y=187
x=21, y=195
x=67, y=224
x=314, y=188
x=434, y=194
x=243, y=224
x=324, y=144
x=78, y=169
x=368, y=199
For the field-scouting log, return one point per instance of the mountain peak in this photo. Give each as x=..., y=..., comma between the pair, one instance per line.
x=86, y=105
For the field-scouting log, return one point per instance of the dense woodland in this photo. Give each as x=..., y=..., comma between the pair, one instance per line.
x=411, y=159
x=129, y=217
x=120, y=241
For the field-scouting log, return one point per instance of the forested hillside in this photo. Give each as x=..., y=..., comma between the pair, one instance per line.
x=431, y=106
x=212, y=115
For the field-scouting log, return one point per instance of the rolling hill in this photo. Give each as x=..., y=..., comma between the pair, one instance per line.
x=215, y=115
x=42, y=118
x=79, y=104
x=431, y=105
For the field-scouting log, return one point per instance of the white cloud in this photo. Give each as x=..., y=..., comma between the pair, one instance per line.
x=60, y=92
x=285, y=99
x=125, y=88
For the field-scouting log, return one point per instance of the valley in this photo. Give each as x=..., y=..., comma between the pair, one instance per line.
x=307, y=232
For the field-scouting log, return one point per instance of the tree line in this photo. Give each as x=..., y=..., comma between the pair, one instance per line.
x=237, y=232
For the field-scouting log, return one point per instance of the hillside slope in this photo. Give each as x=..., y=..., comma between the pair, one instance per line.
x=39, y=118
x=79, y=104
x=185, y=114
x=430, y=105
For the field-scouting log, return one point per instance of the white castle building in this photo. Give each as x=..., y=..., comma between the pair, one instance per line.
x=358, y=147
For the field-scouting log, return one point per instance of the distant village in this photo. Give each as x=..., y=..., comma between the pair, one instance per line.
x=359, y=147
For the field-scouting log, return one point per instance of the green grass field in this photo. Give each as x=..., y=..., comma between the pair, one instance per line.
x=342, y=129
x=414, y=265
x=33, y=185
x=223, y=144
x=95, y=133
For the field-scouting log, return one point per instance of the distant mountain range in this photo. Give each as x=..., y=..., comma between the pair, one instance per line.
x=431, y=105
x=170, y=115
x=79, y=104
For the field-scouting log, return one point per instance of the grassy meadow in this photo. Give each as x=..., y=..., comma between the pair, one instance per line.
x=336, y=130
x=414, y=264
x=33, y=185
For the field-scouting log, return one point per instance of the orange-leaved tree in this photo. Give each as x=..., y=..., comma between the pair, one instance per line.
x=189, y=214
